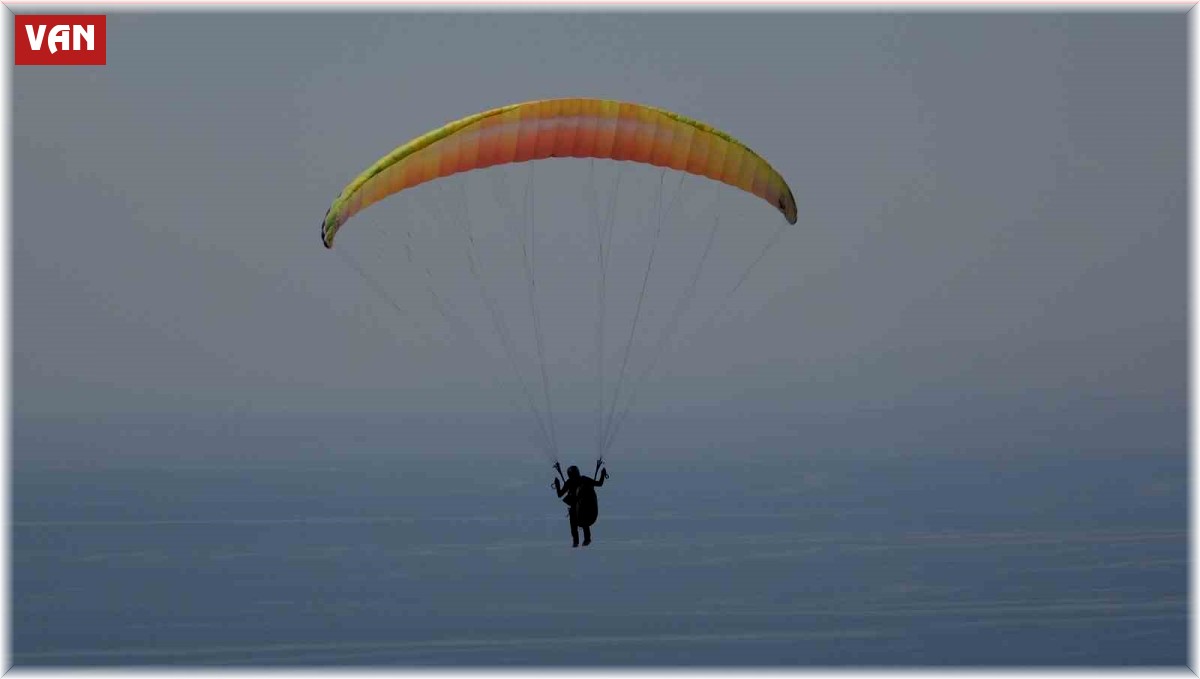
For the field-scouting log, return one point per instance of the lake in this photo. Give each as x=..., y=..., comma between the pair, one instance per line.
x=260, y=543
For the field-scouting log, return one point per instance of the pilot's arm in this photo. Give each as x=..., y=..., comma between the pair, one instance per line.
x=563, y=489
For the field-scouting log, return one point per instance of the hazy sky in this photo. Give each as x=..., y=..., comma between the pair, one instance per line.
x=992, y=210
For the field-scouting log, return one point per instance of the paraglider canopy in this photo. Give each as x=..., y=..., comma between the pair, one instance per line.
x=557, y=128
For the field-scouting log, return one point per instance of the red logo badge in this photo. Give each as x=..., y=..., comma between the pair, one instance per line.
x=60, y=40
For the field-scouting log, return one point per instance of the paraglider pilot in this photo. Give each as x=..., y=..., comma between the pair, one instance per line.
x=579, y=493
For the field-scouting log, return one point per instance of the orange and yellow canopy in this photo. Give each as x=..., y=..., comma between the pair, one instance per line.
x=558, y=128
